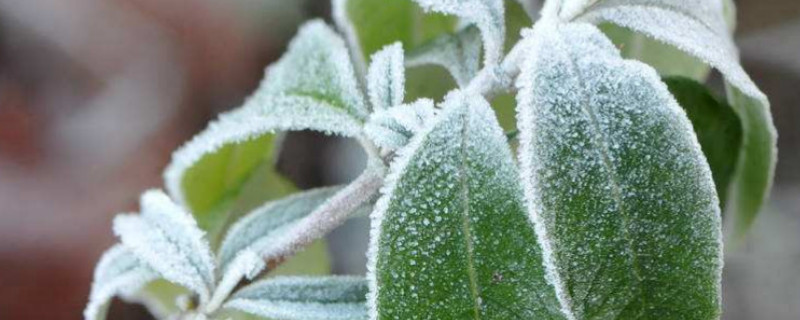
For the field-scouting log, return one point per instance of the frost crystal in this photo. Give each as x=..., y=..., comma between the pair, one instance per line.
x=118, y=272
x=302, y=298
x=440, y=239
x=386, y=78
x=313, y=86
x=168, y=240
x=615, y=180
x=488, y=15
x=391, y=129
x=459, y=53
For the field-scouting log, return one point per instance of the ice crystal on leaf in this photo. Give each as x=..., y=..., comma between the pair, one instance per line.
x=391, y=129
x=118, y=272
x=615, y=179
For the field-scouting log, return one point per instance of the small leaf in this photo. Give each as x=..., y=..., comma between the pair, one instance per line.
x=386, y=78
x=313, y=86
x=391, y=129
x=718, y=129
x=459, y=53
x=168, y=240
x=118, y=272
x=440, y=240
x=263, y=228
x=302, y=298
x=488, y=15
x=615, y=178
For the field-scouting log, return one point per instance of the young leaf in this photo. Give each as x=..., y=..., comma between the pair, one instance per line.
x=313, y=86
x=488, y=15
x=615, y=179
x=386, y=78
x=264, y=226
x=440, y=240
x=718, y=129
x=168, y=240
x=301, y=298
x=699, y=28
x=118, y=272
x=391, y=129
x=459, y=53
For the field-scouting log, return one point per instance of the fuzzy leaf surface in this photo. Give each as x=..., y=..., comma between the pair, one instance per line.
x=717, y=126
x=614, y=176
x=167, y=239
x=304, y=298
x=440, y=244
x=118, y=272
x=312, y=87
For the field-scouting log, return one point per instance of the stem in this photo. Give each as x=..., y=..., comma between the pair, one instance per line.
x=494, y=79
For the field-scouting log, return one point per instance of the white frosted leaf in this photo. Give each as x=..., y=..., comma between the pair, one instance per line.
x=246, y=264
x=259, y=230
x=616, y=182
x=167, y=238
x=459, y=53
x=312, y=87
x=391, y=129
x=700, y=29
x=386, y=77
x=440, y=239
x=118, y=272
x=488, y=15
x=304, y=298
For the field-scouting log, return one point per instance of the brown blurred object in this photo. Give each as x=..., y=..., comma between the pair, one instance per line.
x=94, y=96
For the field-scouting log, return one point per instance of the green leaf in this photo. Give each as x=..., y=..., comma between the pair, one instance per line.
x=614, y=176
x=304, y=298
x=666, y=59
x=756, y=168
x=312, y=87
x=441, y=241
x=718, y=129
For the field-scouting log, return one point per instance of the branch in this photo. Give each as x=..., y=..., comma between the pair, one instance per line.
x=494, y=79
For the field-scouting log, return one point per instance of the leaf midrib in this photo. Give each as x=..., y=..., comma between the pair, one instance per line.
x=466, y=227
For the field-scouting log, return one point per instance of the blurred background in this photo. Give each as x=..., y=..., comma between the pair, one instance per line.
x=95, y=95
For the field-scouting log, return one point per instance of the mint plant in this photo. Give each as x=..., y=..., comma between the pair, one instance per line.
x=604, y=202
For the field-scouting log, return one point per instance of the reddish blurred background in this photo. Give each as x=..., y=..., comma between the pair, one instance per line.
x=95, y=94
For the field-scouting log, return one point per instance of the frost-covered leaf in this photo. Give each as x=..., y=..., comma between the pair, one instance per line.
x=718, y=129
x=302, y=298
x=615, y=179
x=386, y=78
x=459, y=53
x=118, y=272
x=167, y=239
x=262, y=229
x=312, y=87
x=488, y=15
x=161, y=298
x=756, y=168
x=391, y=129
x=699, y=28
x=440, y=240
x=372, y=24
